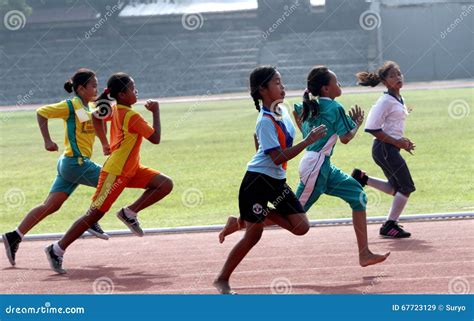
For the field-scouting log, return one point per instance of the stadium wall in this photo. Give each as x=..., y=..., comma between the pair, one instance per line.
x=431, y=40
x=434, y=42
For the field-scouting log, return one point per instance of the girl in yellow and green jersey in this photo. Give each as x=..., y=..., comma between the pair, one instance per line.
x=74, y=166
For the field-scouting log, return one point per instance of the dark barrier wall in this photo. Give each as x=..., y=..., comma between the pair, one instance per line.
x=430, y=41
x=168, y=58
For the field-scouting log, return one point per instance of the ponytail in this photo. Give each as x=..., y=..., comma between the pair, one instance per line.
x=310, y=106
x=372, y=79
x=68, y=86
x=116, y=84
x=368, y=79
x=318, y=77
x=80, y=78
x=104, y=105
x=105, y=95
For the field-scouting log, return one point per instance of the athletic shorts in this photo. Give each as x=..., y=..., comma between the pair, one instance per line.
x=74, y=171
x=257, y=190
x=111, y=186
x=388, y=157
x=330, y=180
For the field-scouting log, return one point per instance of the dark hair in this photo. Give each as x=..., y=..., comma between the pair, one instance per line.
x=318, y=77
x=116, y=84
x=80, y=78
x=260, y=77
x=372, y=79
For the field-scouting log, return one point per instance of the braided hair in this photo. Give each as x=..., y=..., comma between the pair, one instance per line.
x=260, y=77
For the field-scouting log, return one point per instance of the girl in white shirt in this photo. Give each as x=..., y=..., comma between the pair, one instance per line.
x=386, y=121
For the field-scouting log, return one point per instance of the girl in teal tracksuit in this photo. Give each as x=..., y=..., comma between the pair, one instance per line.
x=317, y=174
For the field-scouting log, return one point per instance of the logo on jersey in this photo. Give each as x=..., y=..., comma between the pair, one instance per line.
x=87, y=127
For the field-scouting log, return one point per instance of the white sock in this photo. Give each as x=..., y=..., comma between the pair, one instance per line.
x=57, y=249
x=381, y=185
x=129, y=213
x=398, y=204
x=19, y=233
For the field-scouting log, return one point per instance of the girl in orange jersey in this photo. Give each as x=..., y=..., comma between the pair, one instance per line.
x=123, y=168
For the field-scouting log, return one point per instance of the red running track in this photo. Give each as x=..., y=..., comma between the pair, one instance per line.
x=438, y=258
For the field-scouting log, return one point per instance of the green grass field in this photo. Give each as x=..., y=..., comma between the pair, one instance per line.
x=205, y=149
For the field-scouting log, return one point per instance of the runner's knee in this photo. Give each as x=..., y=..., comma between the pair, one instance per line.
x=51, y=207
x=301, y=228
x=253, y=234
x=167, y=185
x=163, y=183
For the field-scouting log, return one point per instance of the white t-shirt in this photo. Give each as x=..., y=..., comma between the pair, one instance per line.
x=388, y=114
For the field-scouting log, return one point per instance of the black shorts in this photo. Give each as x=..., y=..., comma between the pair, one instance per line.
x=258, y=189
x=394, y=166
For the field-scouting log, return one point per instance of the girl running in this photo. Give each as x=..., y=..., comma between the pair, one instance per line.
x=317, y=174
x=74, y=166
x=265, y=178
x=386, y=121
x=122, y=169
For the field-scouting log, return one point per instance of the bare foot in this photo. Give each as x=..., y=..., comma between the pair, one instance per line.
x=223, y=286
x=371, y=259
x=230, y=227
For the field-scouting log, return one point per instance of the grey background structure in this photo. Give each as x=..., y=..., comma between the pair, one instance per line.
x=431, y=40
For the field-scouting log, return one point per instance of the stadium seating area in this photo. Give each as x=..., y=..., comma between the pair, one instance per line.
x=171, y=62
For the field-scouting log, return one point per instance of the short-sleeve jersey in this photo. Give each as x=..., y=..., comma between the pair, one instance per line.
x=79, y=133
x=334, y=117
x=388, y=114
x=270, y=129
x=126, y=133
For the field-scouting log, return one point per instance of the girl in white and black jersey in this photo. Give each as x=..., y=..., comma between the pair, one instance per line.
x=386, y=121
